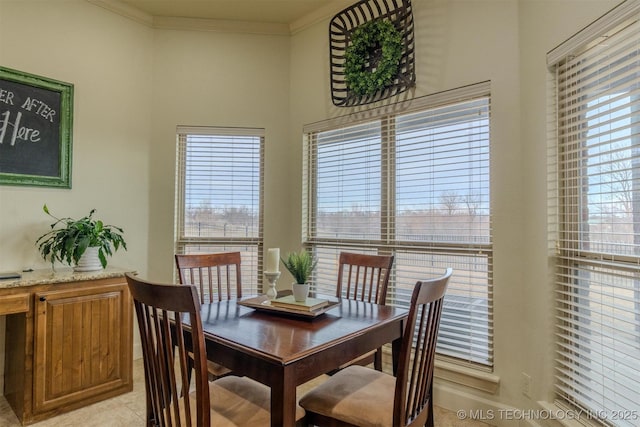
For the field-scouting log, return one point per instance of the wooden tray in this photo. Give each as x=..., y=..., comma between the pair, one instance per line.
x=262, y=303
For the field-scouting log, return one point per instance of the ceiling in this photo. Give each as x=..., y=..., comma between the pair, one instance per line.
x=263, y=11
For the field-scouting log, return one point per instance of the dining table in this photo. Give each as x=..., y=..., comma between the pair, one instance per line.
x=285, y=350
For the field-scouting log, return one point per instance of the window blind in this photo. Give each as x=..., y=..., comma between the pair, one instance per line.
x=219, y=182
x=415, y=184
x=597, y=188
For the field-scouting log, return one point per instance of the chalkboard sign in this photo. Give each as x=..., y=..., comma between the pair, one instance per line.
x=36, y=115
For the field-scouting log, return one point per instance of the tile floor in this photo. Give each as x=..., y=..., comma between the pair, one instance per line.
x=128, y=410
x=124, y=410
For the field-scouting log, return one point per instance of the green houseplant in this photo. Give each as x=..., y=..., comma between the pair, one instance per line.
x=70, y=242
x=300, y=265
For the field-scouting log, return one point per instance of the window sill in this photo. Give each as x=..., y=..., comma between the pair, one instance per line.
x=454, y=373
x=566, y=416
x=468, y=377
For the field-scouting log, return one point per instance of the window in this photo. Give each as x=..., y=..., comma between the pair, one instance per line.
x=219, y=195
x=597, y=193
x=414, y=184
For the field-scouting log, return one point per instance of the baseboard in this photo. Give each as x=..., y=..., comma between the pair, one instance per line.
x=467, y=406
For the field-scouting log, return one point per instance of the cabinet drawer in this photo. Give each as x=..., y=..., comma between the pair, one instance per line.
x=14, y=304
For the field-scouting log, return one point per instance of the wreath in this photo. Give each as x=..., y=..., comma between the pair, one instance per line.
x=373, y=57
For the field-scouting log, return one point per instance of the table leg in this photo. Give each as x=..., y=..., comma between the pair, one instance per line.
x=283, y=402
x=395, y=353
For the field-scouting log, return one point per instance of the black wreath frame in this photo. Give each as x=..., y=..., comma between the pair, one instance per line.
x=342, y=30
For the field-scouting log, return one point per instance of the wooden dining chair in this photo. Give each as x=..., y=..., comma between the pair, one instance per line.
x=364, y=277
x=361, y=396
x=217, y=277
x=161, y=310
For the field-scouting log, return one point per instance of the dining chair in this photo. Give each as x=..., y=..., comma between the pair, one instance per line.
x=364, y=397
x=364, y=277
x=172, y=400
x=214, y=274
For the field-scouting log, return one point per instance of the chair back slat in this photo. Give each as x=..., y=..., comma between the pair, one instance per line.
x=364, y=277
x=413, y=404
x=166, y=341
x=217, y=276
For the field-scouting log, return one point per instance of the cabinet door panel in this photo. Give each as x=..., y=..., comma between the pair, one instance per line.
x=81, y=345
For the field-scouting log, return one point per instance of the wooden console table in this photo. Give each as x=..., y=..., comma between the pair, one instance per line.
x=68, y=340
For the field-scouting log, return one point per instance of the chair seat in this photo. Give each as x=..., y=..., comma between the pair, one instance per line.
x=357, y=395
x=240, y=401
x=215, y=370
x=364, y=360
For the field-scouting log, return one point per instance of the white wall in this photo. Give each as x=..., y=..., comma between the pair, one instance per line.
x=218, y=79
x=109, y=60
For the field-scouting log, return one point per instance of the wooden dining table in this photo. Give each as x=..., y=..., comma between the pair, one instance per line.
x=284, y=351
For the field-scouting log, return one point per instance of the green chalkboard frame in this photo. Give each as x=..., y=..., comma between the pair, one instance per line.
x=65, y=111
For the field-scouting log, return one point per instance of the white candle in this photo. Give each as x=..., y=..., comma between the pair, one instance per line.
x=273, y=260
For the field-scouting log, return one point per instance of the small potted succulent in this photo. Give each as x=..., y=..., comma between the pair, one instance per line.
x=82, y=243
x=300, y=265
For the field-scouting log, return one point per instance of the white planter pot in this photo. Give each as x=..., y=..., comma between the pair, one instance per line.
x=89, y=261
x=300, y=292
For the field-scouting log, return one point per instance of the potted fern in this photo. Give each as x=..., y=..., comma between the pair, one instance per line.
x=82, y=243
x=300, y=265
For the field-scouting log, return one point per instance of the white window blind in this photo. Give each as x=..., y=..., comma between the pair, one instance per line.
x=219, y=195
x=597, y=189
x=414, y=184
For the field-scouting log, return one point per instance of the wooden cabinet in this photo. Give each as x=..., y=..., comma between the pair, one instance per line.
x=14, y=303
x=71, y=347
x=80, y=338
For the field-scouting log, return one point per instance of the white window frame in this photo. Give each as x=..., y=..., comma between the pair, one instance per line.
x=326, y=248
x=251, y=244
x=591, y=149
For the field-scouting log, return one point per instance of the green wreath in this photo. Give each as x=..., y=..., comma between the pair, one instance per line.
x=365, y=41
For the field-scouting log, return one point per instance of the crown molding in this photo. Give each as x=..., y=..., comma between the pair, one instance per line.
x=198, y=24
x=326, y=12
x=216, y=25
x=125, y=10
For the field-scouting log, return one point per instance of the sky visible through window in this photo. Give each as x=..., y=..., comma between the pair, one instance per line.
x=610, y=175
x=434, y=164
x=221, y=171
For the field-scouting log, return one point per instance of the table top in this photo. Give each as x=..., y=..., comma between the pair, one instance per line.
x=282, y=339
x=283, y=352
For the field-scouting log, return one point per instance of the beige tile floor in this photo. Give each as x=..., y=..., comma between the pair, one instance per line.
x=124, y=410
x=128, y=410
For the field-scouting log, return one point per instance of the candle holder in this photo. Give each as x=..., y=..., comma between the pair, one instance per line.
x=272, y=277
